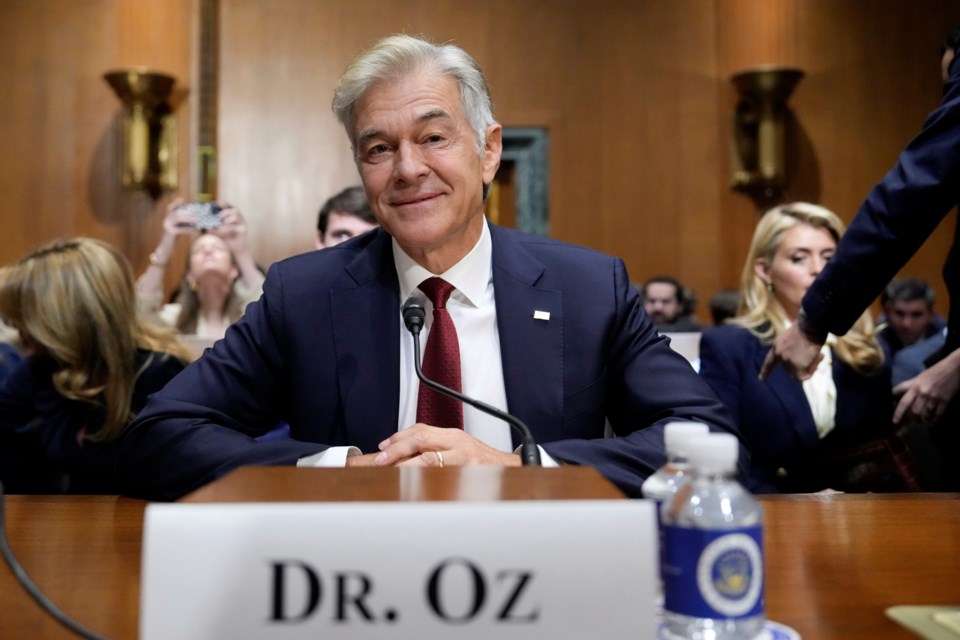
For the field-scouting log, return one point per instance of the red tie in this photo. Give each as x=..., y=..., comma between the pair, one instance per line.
x=441, y=361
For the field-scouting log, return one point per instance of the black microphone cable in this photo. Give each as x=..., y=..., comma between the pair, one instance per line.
x=413, y=318
x=31, y=587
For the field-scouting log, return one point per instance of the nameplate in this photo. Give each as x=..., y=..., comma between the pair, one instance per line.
x=367, y=570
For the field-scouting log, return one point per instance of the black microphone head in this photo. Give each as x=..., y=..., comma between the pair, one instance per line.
x=414, y=313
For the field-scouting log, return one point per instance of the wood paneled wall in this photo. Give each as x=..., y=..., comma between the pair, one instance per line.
x=635, y=95
x=60, y=122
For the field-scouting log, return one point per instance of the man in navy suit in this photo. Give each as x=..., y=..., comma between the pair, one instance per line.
x=552, y=332
x=898, y=215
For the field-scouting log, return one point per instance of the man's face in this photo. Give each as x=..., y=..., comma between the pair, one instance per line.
x=341, y=227
x=660, y=302
x=419, y=165
x=909, y=319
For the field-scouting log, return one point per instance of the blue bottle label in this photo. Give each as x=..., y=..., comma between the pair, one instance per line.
x=713, y=574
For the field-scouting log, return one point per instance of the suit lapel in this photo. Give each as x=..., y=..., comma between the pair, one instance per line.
x=531, y=348
x=790, y=394
x=367, y=338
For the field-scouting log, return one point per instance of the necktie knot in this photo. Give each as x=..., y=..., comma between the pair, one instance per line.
x=438, y=290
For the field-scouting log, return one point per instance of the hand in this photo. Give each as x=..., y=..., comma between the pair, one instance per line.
x=926, y=396
x=233, y=230
x=419, y=446
x=365, y=460
x=178, y=221
x=796, y=351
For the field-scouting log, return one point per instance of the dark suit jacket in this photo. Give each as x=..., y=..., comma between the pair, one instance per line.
x=898, y=215
x=774, y=416
x=320, y=351
x=39, y=452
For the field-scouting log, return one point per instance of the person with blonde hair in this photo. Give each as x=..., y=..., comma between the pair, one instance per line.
x=220, y=278
x=90, y=361
x=791, y=427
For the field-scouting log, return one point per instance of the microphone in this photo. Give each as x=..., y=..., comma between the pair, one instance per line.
x=413, y=317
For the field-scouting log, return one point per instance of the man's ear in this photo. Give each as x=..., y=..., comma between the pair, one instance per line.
x=492, y=148
x=318, y=240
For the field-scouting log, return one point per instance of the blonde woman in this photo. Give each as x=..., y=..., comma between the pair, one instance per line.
x=89, y=363
x=220, y=279
x=791, y=427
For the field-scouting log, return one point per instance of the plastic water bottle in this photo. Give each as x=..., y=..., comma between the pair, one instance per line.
x=665, y=481
x=663, y=484
x=713, y=549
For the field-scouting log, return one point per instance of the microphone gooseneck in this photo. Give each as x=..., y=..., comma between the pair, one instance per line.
x=31, y=587
x=413, y=318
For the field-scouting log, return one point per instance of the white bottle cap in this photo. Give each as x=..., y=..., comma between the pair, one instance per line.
x=677, y=434
x=715, y=453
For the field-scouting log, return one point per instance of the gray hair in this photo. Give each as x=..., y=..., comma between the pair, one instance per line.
x=397, y=56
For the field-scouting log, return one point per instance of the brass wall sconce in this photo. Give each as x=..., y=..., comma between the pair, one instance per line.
x=149, y=129
x=759, y=165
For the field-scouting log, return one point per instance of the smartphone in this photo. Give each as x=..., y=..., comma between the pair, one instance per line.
x=207, y=214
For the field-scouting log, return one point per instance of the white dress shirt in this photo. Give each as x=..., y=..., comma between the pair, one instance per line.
x=473, y=311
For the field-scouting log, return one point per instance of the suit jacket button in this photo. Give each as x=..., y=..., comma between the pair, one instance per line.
x=782, y=473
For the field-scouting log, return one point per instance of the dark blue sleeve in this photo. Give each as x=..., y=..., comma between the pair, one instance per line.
x=648, y=385
x=898, y=215
x=203, y=424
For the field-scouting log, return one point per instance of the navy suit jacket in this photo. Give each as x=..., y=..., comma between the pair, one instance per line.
x=774, y=416
x=320, y=351
x=39, y=450
x=898, y=215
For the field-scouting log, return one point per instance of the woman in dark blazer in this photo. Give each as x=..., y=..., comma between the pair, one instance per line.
x=89, y=364
x=796, y=430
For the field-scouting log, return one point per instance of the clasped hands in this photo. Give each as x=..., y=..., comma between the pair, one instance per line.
x=421, y=445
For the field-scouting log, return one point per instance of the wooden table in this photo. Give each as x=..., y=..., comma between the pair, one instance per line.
x=834, y=563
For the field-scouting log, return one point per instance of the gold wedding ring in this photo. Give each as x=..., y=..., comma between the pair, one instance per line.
x=440, y=458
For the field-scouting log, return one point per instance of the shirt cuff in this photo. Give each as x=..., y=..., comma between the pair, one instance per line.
x=545, y=459
x=332, y=457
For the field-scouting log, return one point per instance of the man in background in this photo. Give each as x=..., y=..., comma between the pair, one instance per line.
x=723, y=305
x=909, y=314
x=344, y=216
x=666, y=302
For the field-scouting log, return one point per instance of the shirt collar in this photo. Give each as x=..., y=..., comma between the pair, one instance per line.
x=470, y=275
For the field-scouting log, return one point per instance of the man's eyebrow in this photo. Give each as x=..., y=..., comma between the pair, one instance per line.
x=371, y=132
x=367, y=134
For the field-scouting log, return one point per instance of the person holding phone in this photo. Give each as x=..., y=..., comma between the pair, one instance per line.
x=220, y=278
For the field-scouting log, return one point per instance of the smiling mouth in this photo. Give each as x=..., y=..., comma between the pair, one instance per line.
x=415, y=200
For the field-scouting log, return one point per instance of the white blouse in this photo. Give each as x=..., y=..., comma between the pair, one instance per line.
x=821, y=391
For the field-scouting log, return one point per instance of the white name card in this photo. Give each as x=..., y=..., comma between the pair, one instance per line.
x=525, y=570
